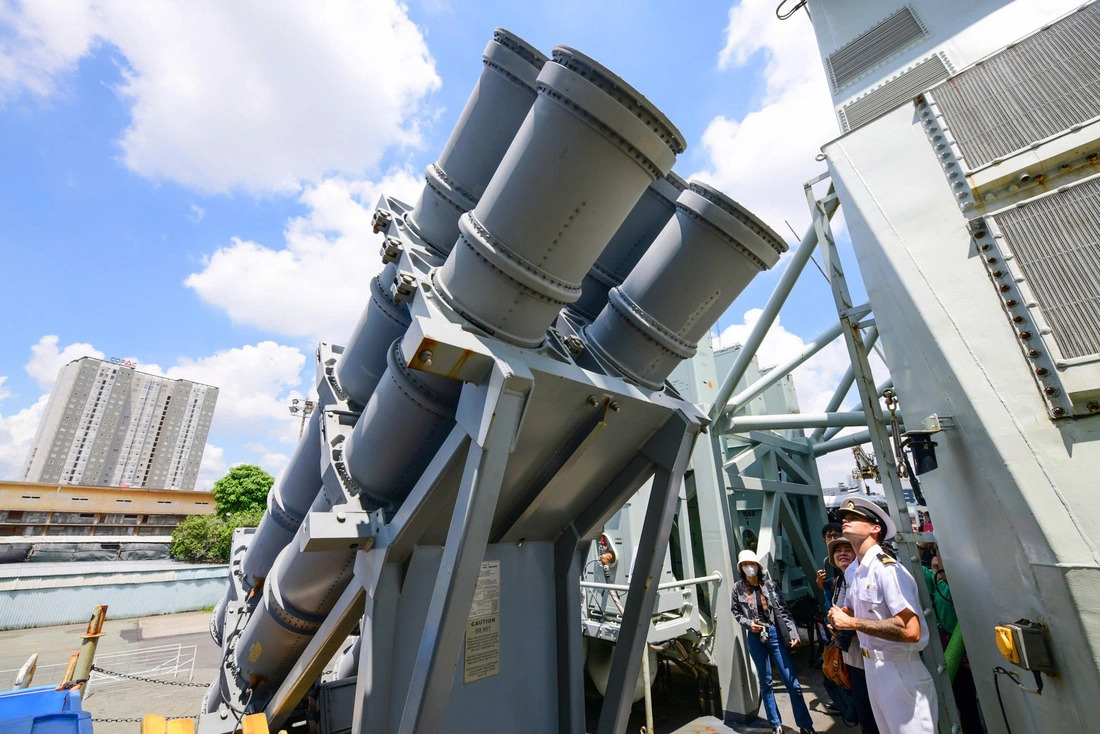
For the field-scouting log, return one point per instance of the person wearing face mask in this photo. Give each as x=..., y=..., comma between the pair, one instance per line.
x=759, y=607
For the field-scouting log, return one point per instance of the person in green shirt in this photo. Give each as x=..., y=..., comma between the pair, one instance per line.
x=947, y=619
x=940, y=592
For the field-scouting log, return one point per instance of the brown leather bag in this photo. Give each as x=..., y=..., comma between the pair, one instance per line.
x=834, y=667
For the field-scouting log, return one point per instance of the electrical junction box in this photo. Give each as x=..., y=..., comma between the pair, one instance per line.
x=1022, y=643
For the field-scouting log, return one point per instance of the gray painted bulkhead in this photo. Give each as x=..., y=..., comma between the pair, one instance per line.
x=1013, y=499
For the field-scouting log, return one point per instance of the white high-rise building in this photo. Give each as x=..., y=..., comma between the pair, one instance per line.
x=107, y=424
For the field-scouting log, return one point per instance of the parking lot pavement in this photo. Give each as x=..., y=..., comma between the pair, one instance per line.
x=161, y=646
x=158, y=642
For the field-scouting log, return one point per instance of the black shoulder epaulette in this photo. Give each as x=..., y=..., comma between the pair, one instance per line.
x=885, y=559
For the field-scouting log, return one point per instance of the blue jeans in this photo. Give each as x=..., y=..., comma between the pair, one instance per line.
x=763, y=655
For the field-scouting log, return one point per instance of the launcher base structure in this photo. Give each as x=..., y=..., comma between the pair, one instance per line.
x=484, y=421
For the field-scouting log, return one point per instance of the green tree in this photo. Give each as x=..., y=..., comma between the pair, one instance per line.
x=210, y=537
x=244, y=488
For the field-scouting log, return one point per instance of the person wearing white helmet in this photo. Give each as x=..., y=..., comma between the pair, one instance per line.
x=760, y=608
x=883, y=608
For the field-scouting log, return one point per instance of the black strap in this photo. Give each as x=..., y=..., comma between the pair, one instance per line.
x=839, y=584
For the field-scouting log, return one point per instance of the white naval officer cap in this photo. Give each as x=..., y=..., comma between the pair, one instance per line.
x=869, y=510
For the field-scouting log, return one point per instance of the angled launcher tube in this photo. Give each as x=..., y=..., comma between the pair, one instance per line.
x=363, y=361
x=633, y=238
x=494, y=111
x=301, y=589
x=700, y=262
x=217, y=620
x=287, y=503
x=588, y=149
x=403, y=425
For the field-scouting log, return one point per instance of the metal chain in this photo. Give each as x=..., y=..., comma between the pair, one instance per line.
x=98, y=669
x=891, y=399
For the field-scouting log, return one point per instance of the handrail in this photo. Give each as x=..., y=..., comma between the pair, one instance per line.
x=666, y=585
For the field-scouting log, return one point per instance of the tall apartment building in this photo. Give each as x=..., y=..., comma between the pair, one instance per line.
x=109, y=425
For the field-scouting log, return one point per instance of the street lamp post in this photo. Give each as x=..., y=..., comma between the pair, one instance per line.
x=305, y=407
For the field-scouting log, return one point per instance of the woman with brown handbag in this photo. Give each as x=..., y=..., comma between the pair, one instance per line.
x=843, y=556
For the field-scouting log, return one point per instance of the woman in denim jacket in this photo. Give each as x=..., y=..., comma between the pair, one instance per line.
x=759, y=607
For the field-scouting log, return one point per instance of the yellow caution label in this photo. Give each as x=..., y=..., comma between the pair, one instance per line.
x=254, y=652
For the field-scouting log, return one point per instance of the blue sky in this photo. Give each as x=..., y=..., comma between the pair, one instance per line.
x=189, y=184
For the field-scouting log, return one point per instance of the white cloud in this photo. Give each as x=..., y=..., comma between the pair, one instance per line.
x=315, y=286
x=255, y=384
x=253, y=96
x=196, y=213
x=212, y=468
x=763, y=159
x=16, y=435
x=45, y=40
x=4, y=392
x=47, y=360
x=273, y=462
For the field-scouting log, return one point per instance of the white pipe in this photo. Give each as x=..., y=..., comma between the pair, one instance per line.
x=783, y=421
x=775, y=302
x=776, y=374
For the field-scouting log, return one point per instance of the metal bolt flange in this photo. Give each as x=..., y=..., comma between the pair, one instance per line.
x=381, y=220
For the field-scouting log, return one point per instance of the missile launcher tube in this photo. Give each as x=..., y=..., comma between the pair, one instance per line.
x=287, y=503
x=633, y=238
x=409, y=410
x=583, y=157
x=494, y=111
x=700, y=262
x=363, y=361
x=588, y=149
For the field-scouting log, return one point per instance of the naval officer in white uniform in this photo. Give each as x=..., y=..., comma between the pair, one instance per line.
x=883, y=607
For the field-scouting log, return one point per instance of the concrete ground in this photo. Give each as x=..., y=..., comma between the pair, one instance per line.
x=130, y=699
x=675, y=706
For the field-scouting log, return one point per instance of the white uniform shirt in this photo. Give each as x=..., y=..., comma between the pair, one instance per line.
x=878, y=590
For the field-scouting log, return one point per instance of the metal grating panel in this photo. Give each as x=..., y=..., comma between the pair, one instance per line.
x=873, y=46
x=1039, y=87
x=1056, y=243
x=898, y=90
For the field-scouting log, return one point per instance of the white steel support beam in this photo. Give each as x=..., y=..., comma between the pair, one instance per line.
x=777, y=373
x=846, y=381
x=795, y=266
x=743, y=423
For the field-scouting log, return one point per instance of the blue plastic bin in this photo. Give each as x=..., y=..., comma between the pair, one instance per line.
x=43, y=710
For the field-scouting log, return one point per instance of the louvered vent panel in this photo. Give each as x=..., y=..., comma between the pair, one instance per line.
x=900, y=89
x=1056, y=241
x=874, y=46
x=1041, y=86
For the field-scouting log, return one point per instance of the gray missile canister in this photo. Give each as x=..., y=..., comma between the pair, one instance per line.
x=494, y=111
x=630, y=242
x=287, y=503
x=700, y=262
x=588, y=149
x=403, y=425
x=363, y=361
